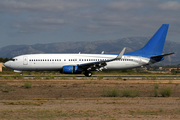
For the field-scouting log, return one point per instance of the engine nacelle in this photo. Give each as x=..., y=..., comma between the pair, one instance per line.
x=69, y=69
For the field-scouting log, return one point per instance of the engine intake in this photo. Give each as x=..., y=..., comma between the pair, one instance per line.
x=69, y=69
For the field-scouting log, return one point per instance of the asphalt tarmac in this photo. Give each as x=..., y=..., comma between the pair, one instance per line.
x=102, y=76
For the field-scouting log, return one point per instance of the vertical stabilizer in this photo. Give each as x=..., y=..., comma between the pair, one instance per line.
x=155, y=45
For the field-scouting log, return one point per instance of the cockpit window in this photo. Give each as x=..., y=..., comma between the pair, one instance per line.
x=13, y=59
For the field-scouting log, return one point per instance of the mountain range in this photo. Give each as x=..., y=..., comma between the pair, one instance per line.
x=109, y=46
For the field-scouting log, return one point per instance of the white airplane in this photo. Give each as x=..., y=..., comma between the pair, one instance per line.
x=85, y=63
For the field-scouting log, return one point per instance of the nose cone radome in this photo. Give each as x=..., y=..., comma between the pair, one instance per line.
x=7, y=64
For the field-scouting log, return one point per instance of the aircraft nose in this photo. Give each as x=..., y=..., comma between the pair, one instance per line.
x=7, y=64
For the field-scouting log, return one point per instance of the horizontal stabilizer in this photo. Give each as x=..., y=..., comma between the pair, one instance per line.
x=163, y=55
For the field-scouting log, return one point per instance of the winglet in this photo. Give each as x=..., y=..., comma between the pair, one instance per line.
x=120, y=54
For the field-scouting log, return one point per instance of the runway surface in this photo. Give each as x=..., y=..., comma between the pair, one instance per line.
x=99, y=76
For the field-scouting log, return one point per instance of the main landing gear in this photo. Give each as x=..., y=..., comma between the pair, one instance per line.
x=87, y=73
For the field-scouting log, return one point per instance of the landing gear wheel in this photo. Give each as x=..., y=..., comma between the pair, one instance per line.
x=88, y=74
x=21, y=74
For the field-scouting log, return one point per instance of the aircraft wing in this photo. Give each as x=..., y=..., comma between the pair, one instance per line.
x=99, y=65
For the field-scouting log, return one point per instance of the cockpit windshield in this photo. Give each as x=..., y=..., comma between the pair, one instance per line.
x=13, y=59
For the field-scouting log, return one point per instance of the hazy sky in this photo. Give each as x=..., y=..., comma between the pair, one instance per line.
x=46, y=21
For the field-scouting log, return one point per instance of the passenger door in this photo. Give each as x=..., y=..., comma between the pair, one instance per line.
x=25, y=60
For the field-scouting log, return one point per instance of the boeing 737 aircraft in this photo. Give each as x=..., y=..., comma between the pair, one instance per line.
x=85, y=63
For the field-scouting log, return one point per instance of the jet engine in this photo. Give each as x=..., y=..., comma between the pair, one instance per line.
x=69, y=69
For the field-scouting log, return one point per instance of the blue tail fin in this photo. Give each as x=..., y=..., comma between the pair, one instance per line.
x=155, y=45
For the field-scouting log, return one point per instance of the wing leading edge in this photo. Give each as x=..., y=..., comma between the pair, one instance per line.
x=99, y=65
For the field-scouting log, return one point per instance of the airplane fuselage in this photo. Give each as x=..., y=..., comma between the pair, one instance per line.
x=55, y=62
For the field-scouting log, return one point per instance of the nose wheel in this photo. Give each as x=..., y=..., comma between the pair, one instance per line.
x=88, y=74
x=21, y=73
